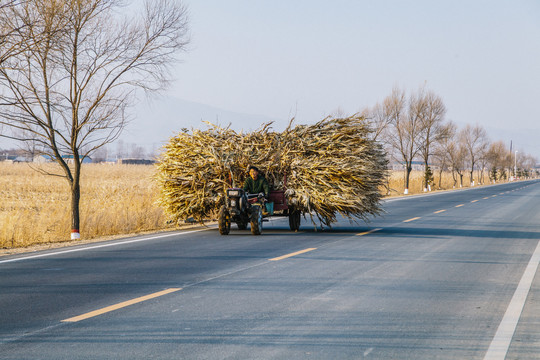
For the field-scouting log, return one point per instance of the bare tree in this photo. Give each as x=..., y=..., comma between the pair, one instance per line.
x=136, y=151
x=457, y=155
x=406, y=127
x=475, y=142
x=75, y=68
x=433, y=128
x=9, y=41
x=525, y=164
x=508, y=164
x=443, y=148
x=100, y=155
x=529, y=163
x=379, y=119
x=483, y=160
x=495, y=159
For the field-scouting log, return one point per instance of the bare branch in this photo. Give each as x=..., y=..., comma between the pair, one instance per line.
x=72, y=68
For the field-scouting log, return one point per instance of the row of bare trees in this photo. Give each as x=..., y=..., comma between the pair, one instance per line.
x=414, y=127
x=70, y=68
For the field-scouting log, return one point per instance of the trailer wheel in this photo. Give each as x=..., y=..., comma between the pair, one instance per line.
x=294, y=219
x=224, y=221
x=256, y=220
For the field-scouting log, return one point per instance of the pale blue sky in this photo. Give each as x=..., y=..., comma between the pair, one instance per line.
x=311, y=57
x=276, y=59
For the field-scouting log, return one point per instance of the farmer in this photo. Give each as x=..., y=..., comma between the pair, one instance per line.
x=256, y=183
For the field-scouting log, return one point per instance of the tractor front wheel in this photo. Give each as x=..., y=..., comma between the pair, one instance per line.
x=256, y=220
x=224, y=221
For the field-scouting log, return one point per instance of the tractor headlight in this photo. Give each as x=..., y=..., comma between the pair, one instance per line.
x=233, y=203
x=233, y=193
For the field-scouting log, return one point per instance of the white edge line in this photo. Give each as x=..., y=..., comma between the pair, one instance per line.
x=91, y=247
x=505, y=332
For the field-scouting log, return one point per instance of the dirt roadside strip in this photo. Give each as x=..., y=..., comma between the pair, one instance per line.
x=67, y=243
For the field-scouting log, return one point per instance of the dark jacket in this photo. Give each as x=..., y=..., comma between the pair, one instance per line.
x=257, y=186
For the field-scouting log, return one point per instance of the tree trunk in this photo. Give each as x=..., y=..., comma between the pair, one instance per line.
x=425, y=181
x=407, y=177
x=75, y=219
x=75, y=201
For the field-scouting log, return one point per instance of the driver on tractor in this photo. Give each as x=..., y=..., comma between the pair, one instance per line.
x=256, y=183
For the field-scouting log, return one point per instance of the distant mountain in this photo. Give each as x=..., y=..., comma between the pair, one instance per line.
x=156, y=121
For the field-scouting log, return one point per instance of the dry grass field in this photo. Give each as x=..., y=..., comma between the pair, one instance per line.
x=116, y=200
x=396, y=182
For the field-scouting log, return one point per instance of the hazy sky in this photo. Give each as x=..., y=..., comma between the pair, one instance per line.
x=308, y=58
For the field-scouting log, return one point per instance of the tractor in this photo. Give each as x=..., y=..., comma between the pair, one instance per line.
x=242, y=208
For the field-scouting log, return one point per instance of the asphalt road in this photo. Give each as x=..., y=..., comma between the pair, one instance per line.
x=441, y=276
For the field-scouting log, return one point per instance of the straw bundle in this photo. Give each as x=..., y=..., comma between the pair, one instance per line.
x=329, y=168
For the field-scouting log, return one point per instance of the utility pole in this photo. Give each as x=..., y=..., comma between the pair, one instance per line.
x=510, y=166
x=515, y=165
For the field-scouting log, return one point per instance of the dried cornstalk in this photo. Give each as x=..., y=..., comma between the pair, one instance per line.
x=329, y=168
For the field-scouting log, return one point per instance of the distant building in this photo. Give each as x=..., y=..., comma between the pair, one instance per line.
x=40, y=159
x=135, y=162
x=67, y=158
x=416, y=166
x=20, y=159
x=8, y=158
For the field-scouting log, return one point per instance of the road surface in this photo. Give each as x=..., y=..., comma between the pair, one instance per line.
x=442, y=276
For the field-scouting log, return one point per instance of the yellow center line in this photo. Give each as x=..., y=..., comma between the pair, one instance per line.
x=474, y=201
x=368, y=232
x=292, y=254
x=460, y=205
x=120, y=305
x=440, y=211
x=409, y=220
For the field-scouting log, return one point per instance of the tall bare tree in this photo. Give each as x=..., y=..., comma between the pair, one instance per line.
x=483, y=161
x=528, y=163
x=433, y=128
x=457, y=154
x=443, y=149
x=406, y=128
x=379, y=119
x=75, y=67
x=8, y=41
x=475, y=142
x=496, y=156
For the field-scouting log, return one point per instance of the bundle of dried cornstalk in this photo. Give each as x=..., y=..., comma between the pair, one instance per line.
x=329, y=168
